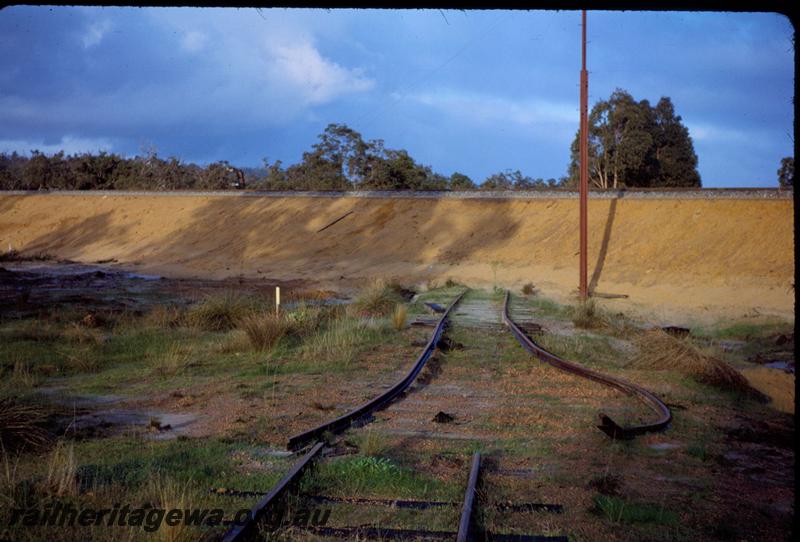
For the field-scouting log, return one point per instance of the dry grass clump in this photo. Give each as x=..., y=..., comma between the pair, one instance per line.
x=371, y=443
x=378, y=298
x=21, y=425
x=399, y=316
x=36, y=330
x=661, y=351
x=219, y=312
x=265, y=329
x=528, y=289
x=174, y=360
x=164, y=317
x=586, y=315
x=339, y=342
x=84, y=362
x=306, y=320
x=61, y=470
x=168, y=494
x=20, y=377
x=234, y=341
x=79, y=333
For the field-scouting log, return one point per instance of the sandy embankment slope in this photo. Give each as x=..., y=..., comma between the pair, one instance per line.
x=677, y=259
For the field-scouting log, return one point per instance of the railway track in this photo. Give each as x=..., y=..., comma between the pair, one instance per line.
x=359, y=413
x=315, y=441
x=607, y=425
x=317, y=435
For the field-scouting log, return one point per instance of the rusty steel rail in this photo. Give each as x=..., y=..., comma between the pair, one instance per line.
x=607, y=425
x=343, y=422
x=465, y=532
x=249, y=528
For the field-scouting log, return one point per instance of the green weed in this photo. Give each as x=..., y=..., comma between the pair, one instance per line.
x=220, y=312
x=619, y=510
x=173, y=361
x=374, y=476
x=700, y=451
x=371, y=443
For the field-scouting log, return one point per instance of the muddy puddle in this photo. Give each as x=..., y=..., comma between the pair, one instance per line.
x=31, y=287
x=96, y=416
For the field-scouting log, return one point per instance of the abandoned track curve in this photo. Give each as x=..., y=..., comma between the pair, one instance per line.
x=607, y=425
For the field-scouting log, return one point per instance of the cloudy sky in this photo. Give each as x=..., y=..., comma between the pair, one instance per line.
x=476, y=91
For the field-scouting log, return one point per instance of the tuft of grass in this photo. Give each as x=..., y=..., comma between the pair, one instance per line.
x=83, y=362
x=586, y=315
x=528, y=289
x=374, y=476
x=235, y=341
x=265, y=329
x=61, y=470
x=378, y=298
x=700, y=451
x=21, y=425
x=9, y=477
x=172, y=361
x=165, y=316
x=219, y=312
x=618, y=510
x=371, y=443
x=661, y=351
x=452, y=283
x=78, y=333
x=339, y=342
x=171, y=495
x=306, y=320
x=21, y=376
x=399, y=316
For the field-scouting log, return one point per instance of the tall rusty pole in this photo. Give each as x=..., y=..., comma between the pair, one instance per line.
x=584, y=188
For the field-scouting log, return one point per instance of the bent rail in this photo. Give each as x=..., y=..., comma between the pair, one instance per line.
x=249, y=528
x=607, y=425
x=346, y=420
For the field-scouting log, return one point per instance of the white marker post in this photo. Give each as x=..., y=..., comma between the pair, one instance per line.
x=277, y=300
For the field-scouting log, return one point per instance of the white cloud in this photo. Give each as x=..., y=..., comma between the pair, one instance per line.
x=95, y=32
x=193, y=41
x=491, y=109
x=714, y=133
x=318, y=79
x=69, y=144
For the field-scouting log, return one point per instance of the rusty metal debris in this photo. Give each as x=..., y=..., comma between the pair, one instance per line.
x=607, y=425
x=434, y=307
x=329, y=224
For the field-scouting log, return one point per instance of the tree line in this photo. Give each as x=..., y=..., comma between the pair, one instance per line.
x=631, y=144
x=341, y=160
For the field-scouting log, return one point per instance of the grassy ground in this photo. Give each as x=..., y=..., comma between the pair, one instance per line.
x=721, y=472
